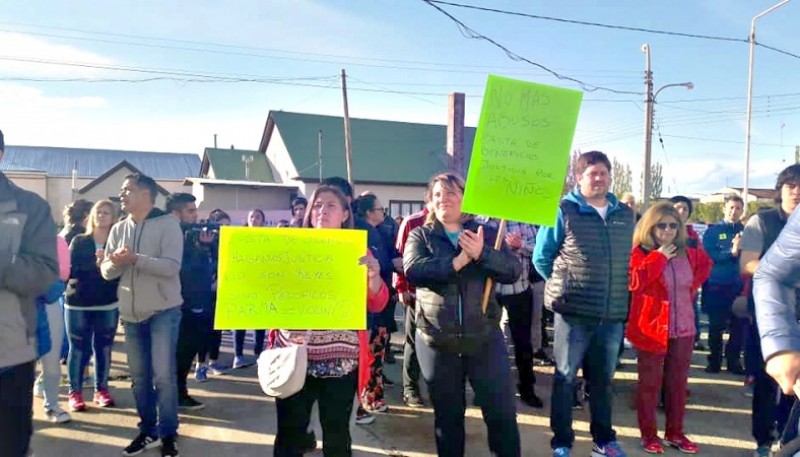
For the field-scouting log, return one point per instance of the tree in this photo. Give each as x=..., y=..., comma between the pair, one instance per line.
x=621, y=178
x=706, y=213
x=571, y=180
x=656, y=182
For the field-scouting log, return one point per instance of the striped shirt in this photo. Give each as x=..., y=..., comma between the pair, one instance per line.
x=331, y=353
x=528, y=234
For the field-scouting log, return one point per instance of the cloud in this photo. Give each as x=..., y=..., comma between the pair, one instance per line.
x=30, y=48
x=19, y=99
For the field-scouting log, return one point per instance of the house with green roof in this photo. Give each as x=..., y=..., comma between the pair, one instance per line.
x=392, y=159
x=238, y=180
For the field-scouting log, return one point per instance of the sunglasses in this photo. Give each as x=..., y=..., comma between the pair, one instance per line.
x=664, y=225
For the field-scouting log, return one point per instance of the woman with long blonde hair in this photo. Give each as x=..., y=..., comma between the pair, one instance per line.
x=92, y=313
x=665, y=274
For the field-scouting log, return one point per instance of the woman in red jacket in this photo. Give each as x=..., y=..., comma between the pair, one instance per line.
x=664, y=275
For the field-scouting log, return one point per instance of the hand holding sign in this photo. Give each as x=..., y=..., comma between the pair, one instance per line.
x=373, y=271
x=293, y=279
x=520, y=154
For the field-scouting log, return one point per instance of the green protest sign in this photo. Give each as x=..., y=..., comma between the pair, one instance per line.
x=288, y=278
x=521, y=151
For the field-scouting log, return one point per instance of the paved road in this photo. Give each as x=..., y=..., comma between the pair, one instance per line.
x=240, y=421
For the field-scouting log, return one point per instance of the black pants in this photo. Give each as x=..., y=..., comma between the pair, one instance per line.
x=720, y=320
x=192, y=338
x=770, y=407
x=213, y=341
x=335, y=397
x=16, y=409
x=717, y=303
x=238, y=342
x=520, y=312
x=488, y=372
x=410, y=362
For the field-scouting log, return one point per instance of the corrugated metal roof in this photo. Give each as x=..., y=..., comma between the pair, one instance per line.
x=383, y=151
x=228, y=165
x=94, y=162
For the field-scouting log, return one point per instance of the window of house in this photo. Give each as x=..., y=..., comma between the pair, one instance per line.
x=404, y=207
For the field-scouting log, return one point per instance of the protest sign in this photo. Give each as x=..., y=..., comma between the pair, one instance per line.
x=289, y=278
x=521, y=151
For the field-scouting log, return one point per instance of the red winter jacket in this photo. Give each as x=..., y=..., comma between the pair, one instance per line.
x=648, y=321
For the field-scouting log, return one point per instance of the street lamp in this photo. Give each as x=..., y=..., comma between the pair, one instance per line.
x=746, y=190
x=648, y=123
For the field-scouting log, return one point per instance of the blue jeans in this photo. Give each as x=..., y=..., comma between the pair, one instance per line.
x=64, y=353
x=151, y=347
x=571, y=342
x=488, y=371
x=51, y=363
x=90, y=332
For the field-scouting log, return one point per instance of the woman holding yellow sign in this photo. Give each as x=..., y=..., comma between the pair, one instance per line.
x=449, y=260
x=338, y=360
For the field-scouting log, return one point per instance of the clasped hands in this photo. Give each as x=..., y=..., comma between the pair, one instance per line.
x=123, y=256
x=471, y=244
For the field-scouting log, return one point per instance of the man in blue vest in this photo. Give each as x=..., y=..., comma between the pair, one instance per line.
x=721, y=242
x=584, y=259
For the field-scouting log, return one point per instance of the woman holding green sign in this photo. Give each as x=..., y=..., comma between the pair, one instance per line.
x=338, y=360
x=449, y=260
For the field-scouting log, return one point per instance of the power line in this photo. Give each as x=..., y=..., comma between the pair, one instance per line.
x=718, y=140
x=616, y=27
x=781, y=51
x=344, y=59
x=471, y=33
x=592, y=24
x=687, y=100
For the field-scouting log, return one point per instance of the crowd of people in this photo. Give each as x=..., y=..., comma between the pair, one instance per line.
x=601, y=275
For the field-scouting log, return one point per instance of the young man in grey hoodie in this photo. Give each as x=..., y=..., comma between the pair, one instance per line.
x=28, y=265
x=145, y=251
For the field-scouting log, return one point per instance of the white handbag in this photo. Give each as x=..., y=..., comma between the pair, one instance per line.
x=282, y=367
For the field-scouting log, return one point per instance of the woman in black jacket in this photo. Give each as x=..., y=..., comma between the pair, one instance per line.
x=92, y=313
x=449, y=260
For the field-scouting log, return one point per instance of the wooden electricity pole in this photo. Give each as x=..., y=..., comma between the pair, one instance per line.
x=348, y=146
x=455, y=134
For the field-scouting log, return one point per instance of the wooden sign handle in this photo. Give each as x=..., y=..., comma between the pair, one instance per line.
x=498, y=243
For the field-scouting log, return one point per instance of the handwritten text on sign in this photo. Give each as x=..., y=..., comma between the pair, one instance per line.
x=521, y=151
x=289, y=278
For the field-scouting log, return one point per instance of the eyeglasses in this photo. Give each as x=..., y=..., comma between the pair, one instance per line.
x=380, y=208
x=664, y=225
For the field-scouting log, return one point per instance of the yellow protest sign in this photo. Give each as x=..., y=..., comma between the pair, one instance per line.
x=521, y=151
x=290, y=278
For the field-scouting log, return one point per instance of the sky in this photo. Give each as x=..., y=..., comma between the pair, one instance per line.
x=168, y=76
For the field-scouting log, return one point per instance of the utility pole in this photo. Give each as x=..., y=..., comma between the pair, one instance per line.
x=348, y=146
x=455, y=134
x=748, y=123
x=650, y=101
x=648, y=128
x=797, y=154
x=319, y=152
